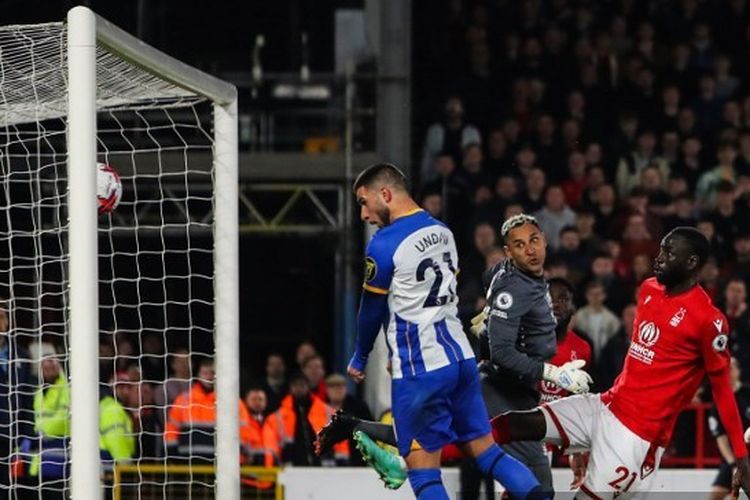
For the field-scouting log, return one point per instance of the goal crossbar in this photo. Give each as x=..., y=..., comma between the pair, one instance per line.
x=131, y=49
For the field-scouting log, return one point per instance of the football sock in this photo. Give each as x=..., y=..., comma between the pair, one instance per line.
x=427, y=484
x=512, y=474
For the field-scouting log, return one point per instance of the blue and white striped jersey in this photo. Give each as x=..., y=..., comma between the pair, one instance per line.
x=414, y=261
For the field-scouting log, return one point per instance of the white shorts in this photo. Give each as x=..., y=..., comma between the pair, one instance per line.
x=621, y=465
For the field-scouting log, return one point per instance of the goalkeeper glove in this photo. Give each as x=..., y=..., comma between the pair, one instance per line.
x=478, y=324
x=569, y=376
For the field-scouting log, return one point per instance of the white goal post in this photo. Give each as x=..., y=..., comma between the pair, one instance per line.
x=86, y=31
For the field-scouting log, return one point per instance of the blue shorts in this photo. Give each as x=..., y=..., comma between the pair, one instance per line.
x=439, y=407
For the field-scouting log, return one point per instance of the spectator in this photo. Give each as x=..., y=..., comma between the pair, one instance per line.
x=683, y=212
x=483, y=242
x=146, y=416
x=709, y=278
x=621, y=143
x=433, y=203
x=725, y=218
x=605, y=209
x=52, y=425
x=450, y=136
x=740, y=265
x=533, y=196
x=670, y=146
x=16, y=394
x=453, y=188
x=630, y=166
x=315, y=371
x=274, y=384
x=742, y=162
x=690, y=164
x=676, y=185
x=256, y=403
x=590, y=241
x=595, y=319
x=116, y=436
x=616, y=288
x=472, y=167
x=179, y=381
x=106, y=358
x=637, y=204
x=497, y=160
x=709, y=181
x=339, y=399
x=190, y=427
x=702, y=50
x=547, y=148
x=289, y=433
x=555, y=215
x=575, y=184
x=570, y=252
x=653, y=185
x=612, y=357
x=305, y=350
x=637, y=239
x=152, y=360
x=667, y=117
x=641, y=268
x=708, y=104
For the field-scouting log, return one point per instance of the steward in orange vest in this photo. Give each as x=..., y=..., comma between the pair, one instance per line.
x=191, y=422
x=289, y=439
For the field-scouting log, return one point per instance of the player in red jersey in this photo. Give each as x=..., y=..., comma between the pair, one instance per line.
x=679, y=337
x=570, y=347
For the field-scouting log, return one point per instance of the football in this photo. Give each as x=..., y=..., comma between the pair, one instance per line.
x=108, y=188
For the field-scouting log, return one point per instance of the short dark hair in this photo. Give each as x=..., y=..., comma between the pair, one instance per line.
x=595, y=283
x=725, y=186
x=205, y=361
x=568, y=229
x=696, y=240
x=385, y=173
x=563, y=283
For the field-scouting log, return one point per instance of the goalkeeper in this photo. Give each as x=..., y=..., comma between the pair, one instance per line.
x=517, y=333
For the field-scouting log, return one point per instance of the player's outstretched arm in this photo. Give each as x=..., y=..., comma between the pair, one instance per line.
x=372, y=309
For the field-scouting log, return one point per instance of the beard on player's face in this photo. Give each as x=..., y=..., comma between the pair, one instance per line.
x=671, y=275
x=384, y=216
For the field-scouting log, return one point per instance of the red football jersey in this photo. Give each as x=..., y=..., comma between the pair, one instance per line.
x=676, y=341
x=571, y=348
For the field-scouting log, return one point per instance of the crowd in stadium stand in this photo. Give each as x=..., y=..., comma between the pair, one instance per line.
x=612, y=123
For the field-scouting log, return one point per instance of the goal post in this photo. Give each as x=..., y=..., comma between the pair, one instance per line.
x=86, y=31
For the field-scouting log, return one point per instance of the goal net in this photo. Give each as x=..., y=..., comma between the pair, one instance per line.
x=87, y=403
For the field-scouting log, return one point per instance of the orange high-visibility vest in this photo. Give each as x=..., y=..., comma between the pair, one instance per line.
x=278, y=429
x=197, y=408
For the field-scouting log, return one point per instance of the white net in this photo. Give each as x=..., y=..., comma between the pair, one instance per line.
x=155, y=276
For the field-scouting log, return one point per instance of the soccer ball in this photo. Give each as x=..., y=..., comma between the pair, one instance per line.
x=108, y=188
